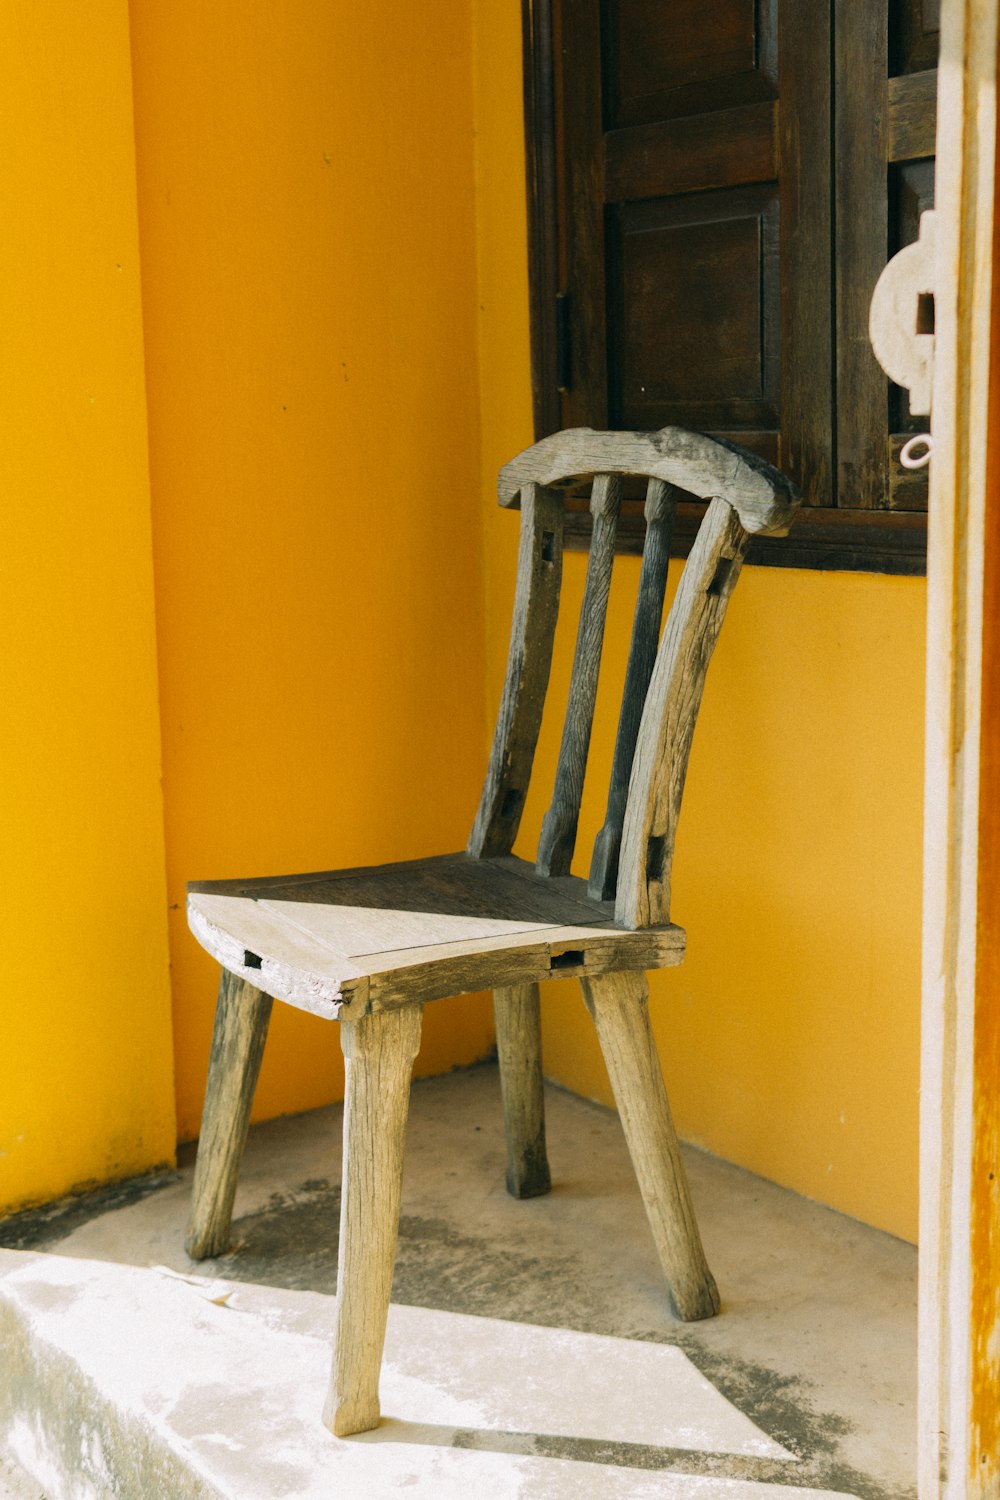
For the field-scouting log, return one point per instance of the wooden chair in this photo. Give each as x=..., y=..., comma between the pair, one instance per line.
x=370, y=946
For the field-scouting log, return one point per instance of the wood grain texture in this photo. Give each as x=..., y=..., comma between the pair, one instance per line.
x=914, y=27
x=668, y=720
x=912, y=115
x=261, y=947
x=420, y=930
x=725, y=148
x=706, y=467
x=519, y=1053
x=536, y=607
x=585, y=398
x=379, y=1053
x=822, y=537
x=558, y=836
x=959, y=1290
x=543, y=237
x=659, y=515
x=861, y=244
x=241, y=1019
x=694, y=340
x=618, y=1004
x=693, y=57
x=805, y=170
x=984, y=1176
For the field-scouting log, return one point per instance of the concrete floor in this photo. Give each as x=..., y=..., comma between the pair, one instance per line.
x=815, y=1345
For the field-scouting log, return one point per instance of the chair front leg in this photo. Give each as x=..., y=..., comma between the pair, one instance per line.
x=379, y=1051
x=519, y=1053
x=241, y=1018
x=619, y=1006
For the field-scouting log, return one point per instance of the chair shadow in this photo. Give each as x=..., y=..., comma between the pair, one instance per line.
x=579, y=1449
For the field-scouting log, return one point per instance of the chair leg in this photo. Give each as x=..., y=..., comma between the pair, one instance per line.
x=618, y=1004
x=519, y=1051
x=241, y=1018
x=379, y=1052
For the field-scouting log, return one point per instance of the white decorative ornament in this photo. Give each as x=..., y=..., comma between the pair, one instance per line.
x=901, y=319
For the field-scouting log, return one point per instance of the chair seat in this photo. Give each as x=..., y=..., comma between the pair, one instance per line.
x=347, y=942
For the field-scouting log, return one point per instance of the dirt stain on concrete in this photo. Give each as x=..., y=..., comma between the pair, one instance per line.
x=292, y=1242
x=41, y=1228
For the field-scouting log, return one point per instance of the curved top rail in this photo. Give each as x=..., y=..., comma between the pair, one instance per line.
x=764, y=500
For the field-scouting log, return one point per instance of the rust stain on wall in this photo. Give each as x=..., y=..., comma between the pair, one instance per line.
x=984, y=1410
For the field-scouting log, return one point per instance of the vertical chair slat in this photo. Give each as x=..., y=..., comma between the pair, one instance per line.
x=555, y=847
x=536, y=607
x=668, y=719
x=661, y=503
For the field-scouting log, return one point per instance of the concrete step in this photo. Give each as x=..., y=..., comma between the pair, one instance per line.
x=132, y=1382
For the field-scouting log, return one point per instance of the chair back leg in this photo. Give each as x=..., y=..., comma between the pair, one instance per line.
x=379, y=1050
x=519, y=1053
x=619, y=1006
x=241, y=1018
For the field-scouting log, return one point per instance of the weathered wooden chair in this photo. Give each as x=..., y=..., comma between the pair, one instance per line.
x=370, y=946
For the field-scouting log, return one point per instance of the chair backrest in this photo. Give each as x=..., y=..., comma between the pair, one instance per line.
x=663, y=683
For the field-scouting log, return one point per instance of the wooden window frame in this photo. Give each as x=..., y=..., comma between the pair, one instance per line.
x=860, y=538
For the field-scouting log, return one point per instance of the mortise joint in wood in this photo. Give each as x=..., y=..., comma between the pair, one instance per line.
x=723, y=578
x=511, y=804
x=252, y=960
x=572, y=958
x=548, y=546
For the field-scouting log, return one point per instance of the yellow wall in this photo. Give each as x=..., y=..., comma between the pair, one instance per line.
x=336, y=362
x=790, y=1034
x=308, y=241
x=85, y=1067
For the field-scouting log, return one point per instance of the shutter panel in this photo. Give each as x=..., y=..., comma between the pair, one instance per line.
x=697, y=247
x=716, y=188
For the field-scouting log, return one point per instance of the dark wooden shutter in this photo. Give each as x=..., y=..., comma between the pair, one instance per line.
x=715, y=188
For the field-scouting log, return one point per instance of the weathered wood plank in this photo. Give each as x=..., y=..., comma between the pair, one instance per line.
x=333, y=945
x=359, y=931
x=519, y=1053
x=241, y=1020
x=912, y=115
x=378, y=1052
x=659, y=516
x=536, y=606
x=861, y=241
x=259, y=885
x=449, y=885
x=584, y=393
x=436, y=974
x=669, y=716
x=959, y=1312
x=764, y=499
x=618, y=1004
x=806, y=272
x=558, y=837
x=869, y=541
x=723, y=148
x=265, y=949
